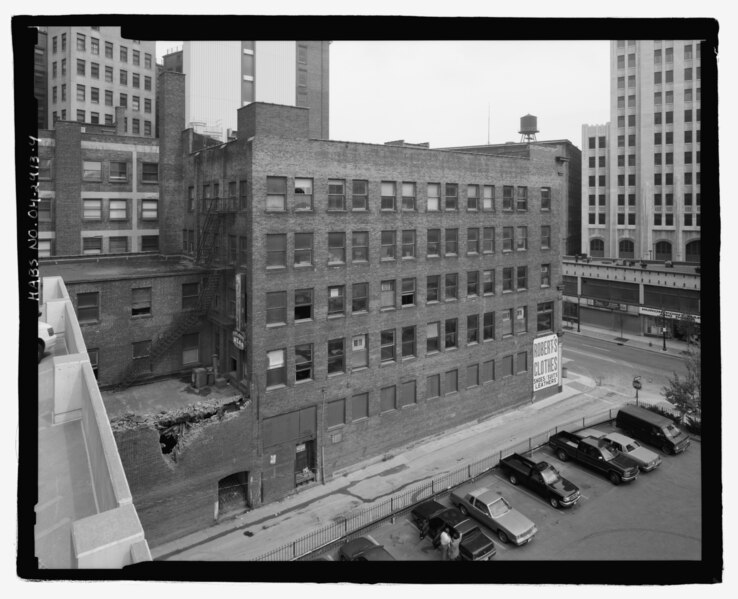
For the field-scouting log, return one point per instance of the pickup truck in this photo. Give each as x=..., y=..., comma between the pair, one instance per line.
x=541, y=478
x=597, y=454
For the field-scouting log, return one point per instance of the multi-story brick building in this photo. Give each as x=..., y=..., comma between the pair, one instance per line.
x=641, y=171
x=98, y=190
x=93, y=70
x=40, y=78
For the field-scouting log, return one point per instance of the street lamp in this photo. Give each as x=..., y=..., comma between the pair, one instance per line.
x=579, y=313
x=663, y=327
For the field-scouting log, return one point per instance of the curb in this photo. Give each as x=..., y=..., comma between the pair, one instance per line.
x=604, y=337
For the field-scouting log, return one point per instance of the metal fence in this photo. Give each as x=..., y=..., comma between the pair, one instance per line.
x=401, y=502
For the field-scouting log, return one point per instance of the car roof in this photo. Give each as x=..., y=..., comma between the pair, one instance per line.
x=452, y=516
x=428, y=509
x=617, y=437
x=486, y=495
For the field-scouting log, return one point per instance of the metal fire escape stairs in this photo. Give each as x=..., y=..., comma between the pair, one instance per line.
x=214, y=211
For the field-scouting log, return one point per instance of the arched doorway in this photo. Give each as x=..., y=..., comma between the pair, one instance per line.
x=693, y=251
x=663, y=250
x=597, y=248
x=626, y=248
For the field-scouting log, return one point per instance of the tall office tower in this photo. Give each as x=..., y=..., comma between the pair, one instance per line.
x=93, y=70
x=224, y=76
x=641, y=171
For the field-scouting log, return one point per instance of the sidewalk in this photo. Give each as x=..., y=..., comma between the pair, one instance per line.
x=655, y=344
x=274, y=525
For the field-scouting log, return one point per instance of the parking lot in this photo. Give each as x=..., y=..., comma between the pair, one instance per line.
x=656, y=517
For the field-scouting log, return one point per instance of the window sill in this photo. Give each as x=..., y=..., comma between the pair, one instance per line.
x=388, y=259
x=275, y=387
x=141, y=316
x=279, y=268
x=302, y=381
x=404, y=306
x=504, y=291
x=408, y=258
x=359, y=368
x=432, y=352
x=489, y=294
x=335, y=316
x=266, y=211
x=451, y=299
x=336, y=264
x=487, y=340
x=388, y=363
x=360, y=313
x=335, y=374
x=454, y=348
x=472, y=343
x=451, y=393
x=302, y=266
x=275, y=325
x=303, y=320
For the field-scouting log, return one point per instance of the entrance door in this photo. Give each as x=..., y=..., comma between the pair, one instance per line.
x=305, y=467
x=233, y=493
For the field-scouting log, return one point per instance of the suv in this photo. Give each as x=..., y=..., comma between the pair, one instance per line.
x=46, y=339
x=652, y=428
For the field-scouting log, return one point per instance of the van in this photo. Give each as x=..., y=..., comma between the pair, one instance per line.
x=652, y=428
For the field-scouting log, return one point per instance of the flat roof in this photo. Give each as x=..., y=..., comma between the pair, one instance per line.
x=678, y=267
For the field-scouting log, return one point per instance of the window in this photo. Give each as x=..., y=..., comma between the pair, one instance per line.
x=123, y=77
x=388, y=240
x=621, y=82
x=452, y=242
x=433, y=288
x=434, y=242
x=488, y=371
x=276, y=368
x=387, y=399
x=670, y=177
x=359, y=406
x=150, y=172
x=669, y=119
x=545, y=198
x=621, y=102
x=488, y=281
x=276, y=194
x=488, y=198
x=688, y=116
x=507, y=366
x=434, y=197
x=507, y=239
x=507, y=322
x=451, y=286
x=95, y=99
x=336, y=194
x=631, y=180
x=545, y=316
x=276, y=250
x=359, y=352
x=91, y=171
x=276, y=307
x=81, y=116
x=63, y=72
x=657, y=56
x=522, y=362
x=545, y=275
x=303, y=304
x=387, y=345
x=669, y=220
x=149, y=209
x=389, y=194
x=108, y=102
x=472, y=241
x=44, y=210
x=522, y=241
x=657, y=219
x=407, y=295
x=147, y=60
x=360, y=246
x=118, y=209
x=472, y=197
x=81, y=94
x=472, y=283
x=190, y=348
x=507, y=197
x=336, y=413
x=522, y=203
x=136, y=58
x=472, y=375
x=119, y=171
x=303, y=194
x=91, y=209
x=336, y=356
x=88, y=307
x=408, y=342
x=472, y=329
x=80, y=69
x=387, y=294
x=433, y=386
x=136, y=103
x=488, y=326
x=631, y=142
x=336, y=300
x=451, y=381
x=109, y=75
x=147, y=86
x=432, y=339
x=521, y=320
x=488, y=240
x=408, y=244
x=452, y=197
x=522, y=278
x=336, y=248
x=360, y=195
x=621, y=61
x=687, y=220
x=545, y=237
x=451, y=330
x=360, y=297
x=81, y=42
x=135, y=81
x=142, y=351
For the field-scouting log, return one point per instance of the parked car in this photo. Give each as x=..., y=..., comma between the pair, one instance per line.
x=364, y=550
x=431, y=518
x=596, y=454
x=647, y=460
x=652, y=428
x=541, y=478
x=46, y=339
x=495, y=512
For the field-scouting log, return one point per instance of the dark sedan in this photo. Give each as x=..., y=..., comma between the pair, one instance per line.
x=364, y=550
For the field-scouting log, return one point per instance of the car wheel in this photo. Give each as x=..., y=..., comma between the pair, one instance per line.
x=462, y=509
x=666, y=449
x=561, y=454
x=554, y=502
x=40, y=350
x=614, y=478
x=513, y=479
x=503, y=536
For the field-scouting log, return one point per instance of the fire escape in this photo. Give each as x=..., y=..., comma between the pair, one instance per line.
x=214, y=213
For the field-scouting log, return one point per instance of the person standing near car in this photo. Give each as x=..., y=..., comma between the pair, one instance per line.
x=453, y=548
x=445, y=542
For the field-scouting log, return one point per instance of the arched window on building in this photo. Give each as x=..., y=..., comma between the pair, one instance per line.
x=663, y=251
x=597, y=248
x=626, y=248
x=693, y=251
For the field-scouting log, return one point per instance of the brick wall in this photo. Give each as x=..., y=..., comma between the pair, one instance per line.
x=68, y=175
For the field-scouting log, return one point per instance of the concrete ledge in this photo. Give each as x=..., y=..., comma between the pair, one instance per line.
x=106, y=540
x=68, y=387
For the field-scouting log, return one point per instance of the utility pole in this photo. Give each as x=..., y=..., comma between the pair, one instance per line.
x=663, y=327
x=579, y=313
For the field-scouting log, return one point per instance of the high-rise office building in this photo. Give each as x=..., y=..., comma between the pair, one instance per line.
x=92, y=70
x=641, y=171
x=224, y=76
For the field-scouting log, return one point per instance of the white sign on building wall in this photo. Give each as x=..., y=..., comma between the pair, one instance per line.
x=546, y=362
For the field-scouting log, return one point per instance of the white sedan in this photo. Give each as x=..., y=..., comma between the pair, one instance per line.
x=46, y=339
x=647, y=459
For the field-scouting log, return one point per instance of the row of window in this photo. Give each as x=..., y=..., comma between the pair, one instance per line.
x=438, y=242
x=658, y=54
x=438, y=288
x=95, y=73
x=94, y=171
x=394, y=196
x=95, y=49
x=118, y=209
x=667, y=219
x=667, y=199
x=94, y=97
x=397, y=344
x=395, y=397
x=658, y=178
x=121, y=244
x=95, y=120
x=662, y=250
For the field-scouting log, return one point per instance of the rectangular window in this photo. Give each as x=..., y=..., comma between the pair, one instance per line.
x=242, y=191
x=434, y=197
x=451, y=197
x=545, y=316
x=472, y=197
x=522, y=362
x=335, y=413
x=108, y=102
x=433, y=386
x=359, y=195
x=522, y=203
x=433, y=288
x=359, y=352
x=488, y=280
x=276, y=250
x=507, y=197
x=507, y=239
x=452, y=242
x=88, y=307
x=136, y=81
x=44, y=210
x=303, y=304
x=472, y=241
x=389, y=195
x=276, y=194
x=81, y=94
x=142, y=352
x=336, y=357
x=276, y=307
x=451, y=286
x=150, y=172
x=336, y=248
x=388, y=295
x=118, y=210
x=522, y=240
x=472, y=329
x=507, y=322
x=109, y=75
x=488, y=198
x=191, y=348
x=136, y=58
x=545, y=275
x=123, y=77
x=123, y=54
x=360, y=297
x=80, y=70
x=91, y=171
x=360, y=246
x=488, y=371
x=147, y=87
x=276, y=368
x=336, y=194
x=408, y=244
x=92, y=209
x=389, y=242
x=472, y=375
x=387, y=345
x=434, y=242
x=521, y=320
x=387, y=399
x=147, y=60
x=522, y=278
x=472, y=283
x=408, y=342
x=360, y=406
x=95, y=96
x=119, y=171
x=408, y=292
x=451, y=333
x=507, y=366
x=407, y=393
x=545, y=199
x=149, y=209
x=488, y=240
x=303, y=195
x=488, y=326
x=451, y=382
x=336, y=300
x=432, y=337
x=545, y=237
x=81, y=43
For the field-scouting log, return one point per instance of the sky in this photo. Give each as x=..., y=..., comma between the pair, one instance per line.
x=456, y=93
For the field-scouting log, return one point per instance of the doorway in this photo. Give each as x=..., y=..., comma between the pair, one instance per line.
x=305, y=466
x=233, y=494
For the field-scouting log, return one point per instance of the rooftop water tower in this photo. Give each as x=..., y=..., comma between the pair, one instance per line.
x=528, y=128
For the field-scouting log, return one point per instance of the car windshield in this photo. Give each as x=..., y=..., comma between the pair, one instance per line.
x=609, y=452
x=550, y=475
x=672, y=431
x=499, y=507
x=632, y=446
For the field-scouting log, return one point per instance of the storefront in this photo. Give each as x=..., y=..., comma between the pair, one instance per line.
x=678, y=324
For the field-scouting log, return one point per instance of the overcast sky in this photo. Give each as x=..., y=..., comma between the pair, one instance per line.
x=444, y=92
